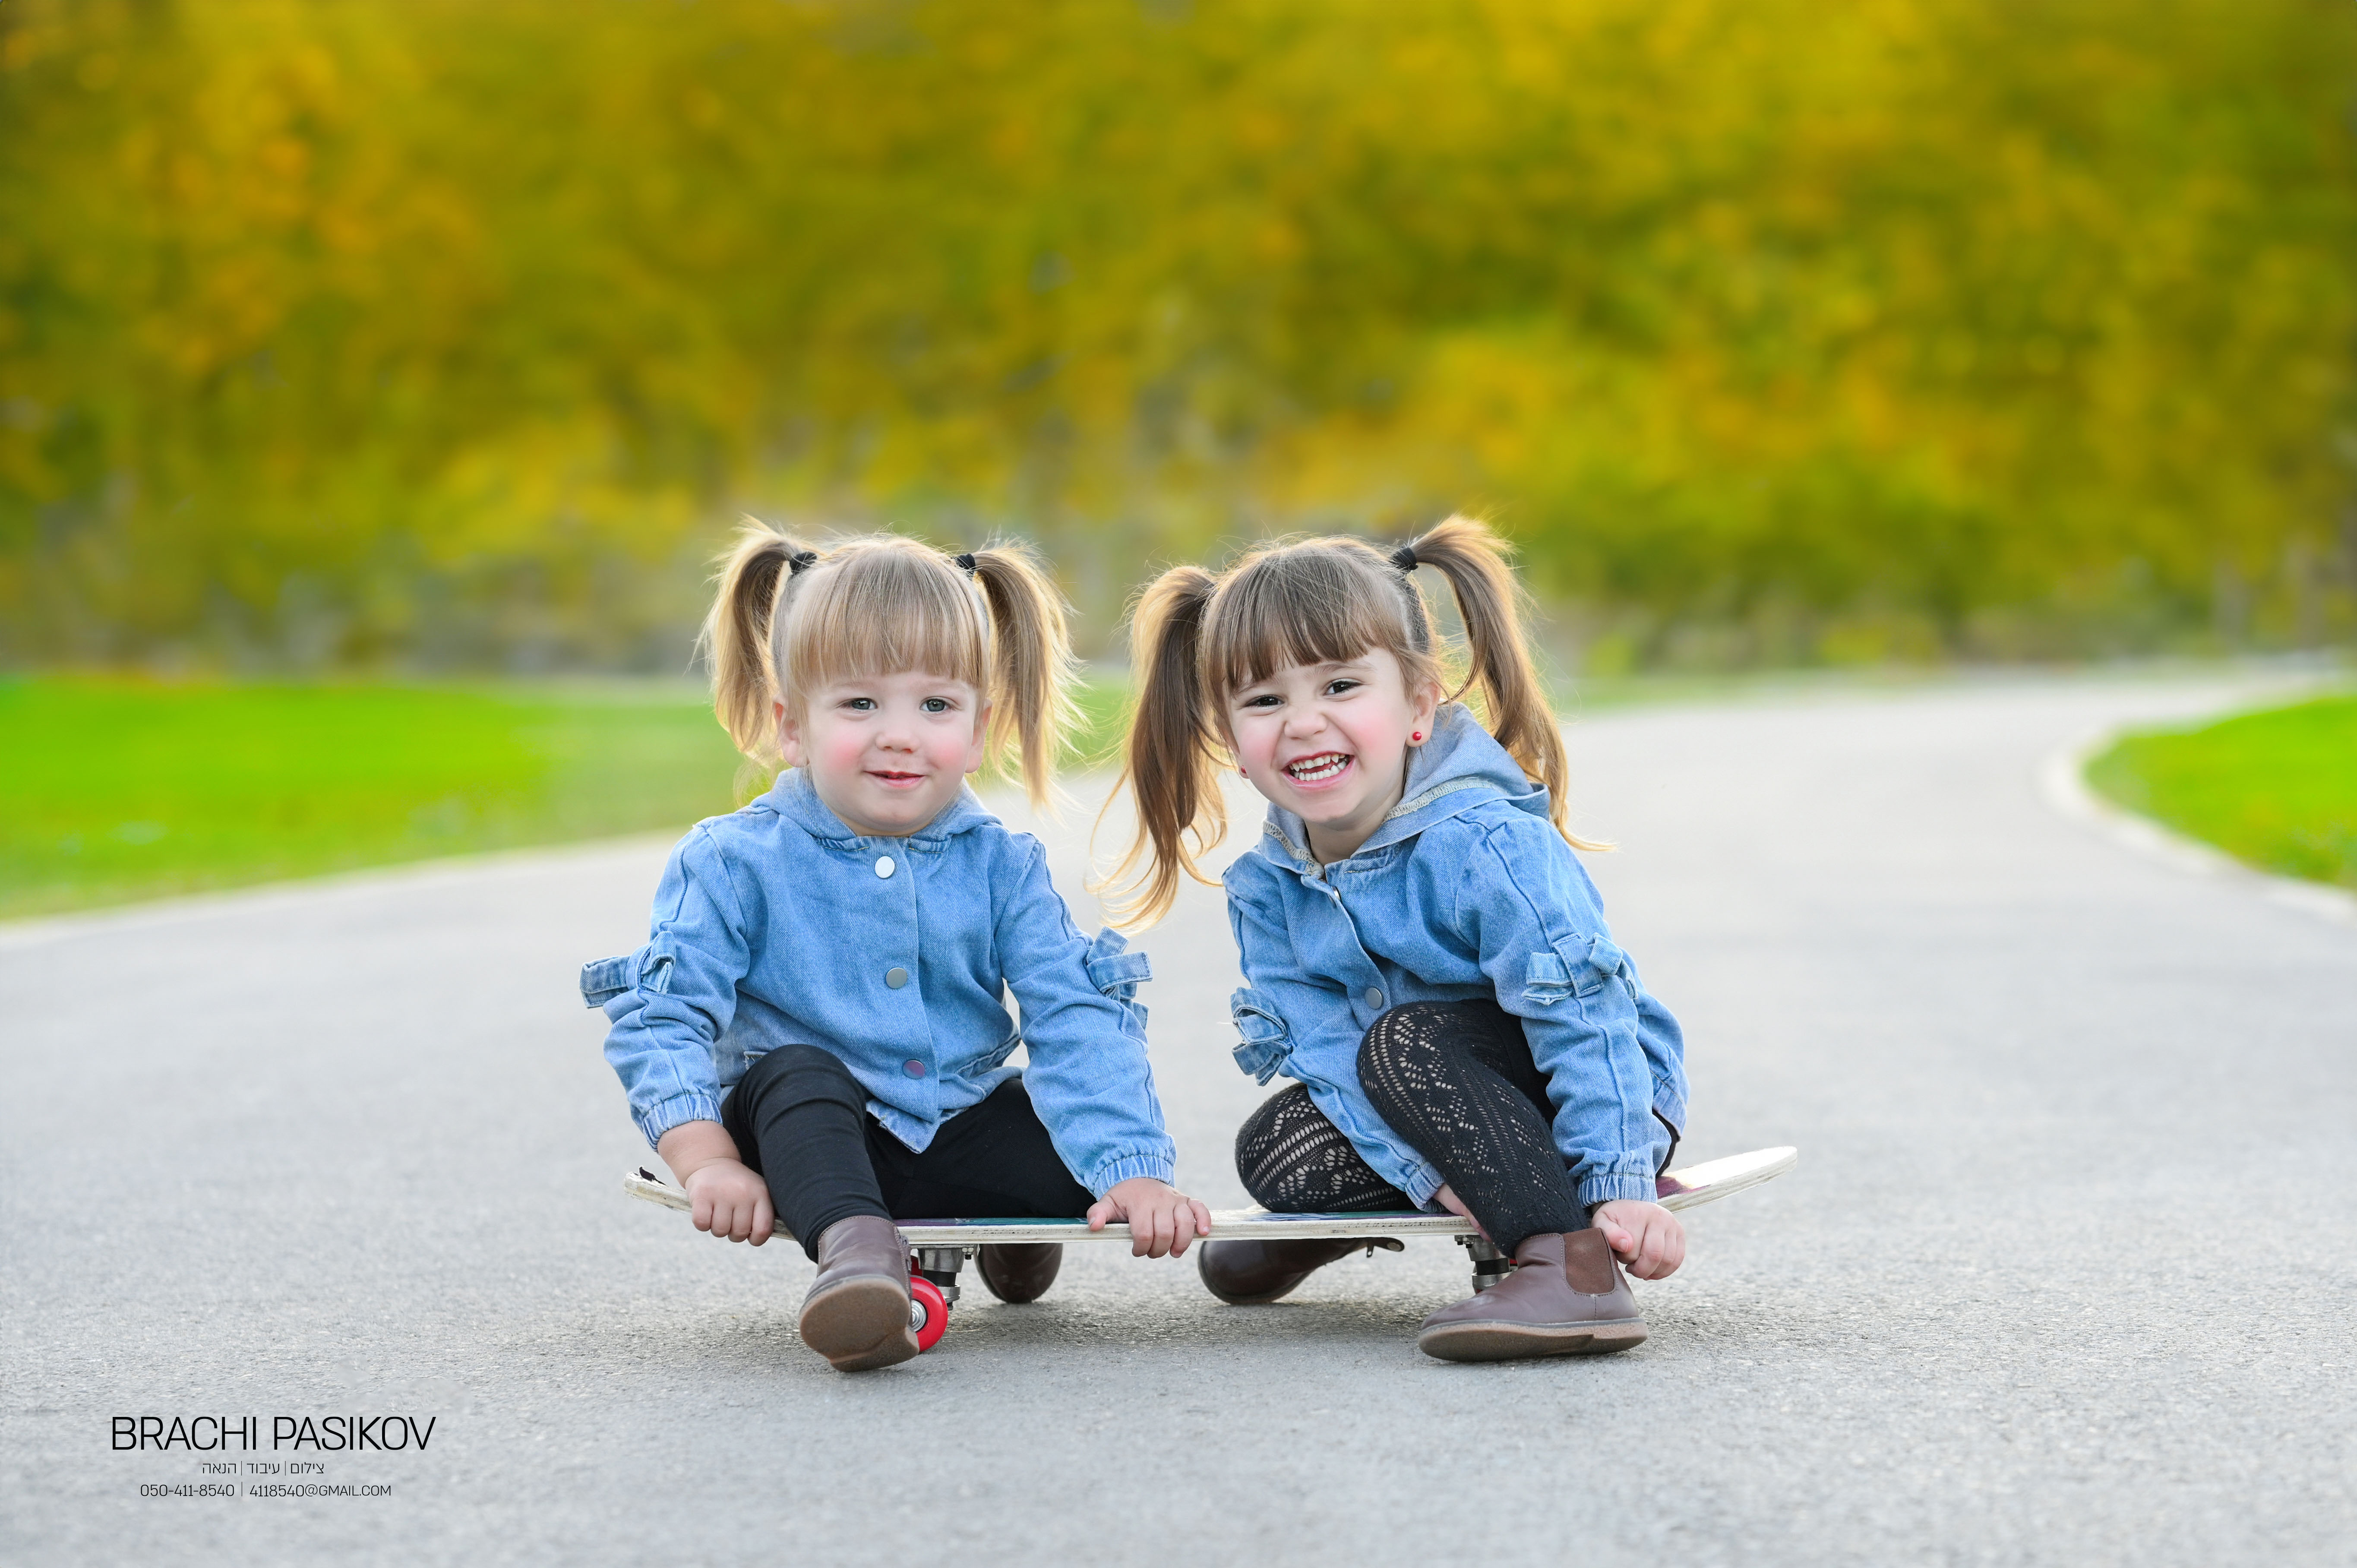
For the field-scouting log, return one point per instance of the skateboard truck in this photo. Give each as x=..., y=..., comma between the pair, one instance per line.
x=1489, y=1264
x=934, y=1290
x=941, y=1266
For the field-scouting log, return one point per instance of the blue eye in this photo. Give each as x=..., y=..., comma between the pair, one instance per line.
x=937, y=704
x=859, y=704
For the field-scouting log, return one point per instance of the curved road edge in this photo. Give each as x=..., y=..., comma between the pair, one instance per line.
x=2062, y=783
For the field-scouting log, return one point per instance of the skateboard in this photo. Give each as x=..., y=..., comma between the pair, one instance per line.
x=939, y=1248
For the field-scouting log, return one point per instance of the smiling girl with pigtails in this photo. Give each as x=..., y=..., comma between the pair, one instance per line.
x=1424, y=954
x=816, y=1032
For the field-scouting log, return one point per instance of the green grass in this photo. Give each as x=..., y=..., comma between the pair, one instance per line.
x=116, y=789
x=1105, y=708
x=2277, y=789
x=120, y=790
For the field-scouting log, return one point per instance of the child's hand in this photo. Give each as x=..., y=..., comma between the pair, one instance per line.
x=1648, y=1237
x=730, y=1201
x=1161, y=1217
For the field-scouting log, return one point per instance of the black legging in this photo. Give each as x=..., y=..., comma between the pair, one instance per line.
x=1457, y=1081
x=801, y=1120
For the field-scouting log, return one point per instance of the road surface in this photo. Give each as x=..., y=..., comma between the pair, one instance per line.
x=2065, y=1274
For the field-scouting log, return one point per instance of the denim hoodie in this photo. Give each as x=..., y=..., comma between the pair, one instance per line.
x=777, y=925
x=1466, y=890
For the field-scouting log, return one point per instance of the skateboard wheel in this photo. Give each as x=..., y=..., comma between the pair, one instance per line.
x=929, y=1313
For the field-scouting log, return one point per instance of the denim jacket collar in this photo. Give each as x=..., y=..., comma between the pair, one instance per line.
x=1459, y=767
x=795, y=799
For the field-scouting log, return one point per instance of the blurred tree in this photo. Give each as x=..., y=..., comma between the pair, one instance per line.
x=451, y=332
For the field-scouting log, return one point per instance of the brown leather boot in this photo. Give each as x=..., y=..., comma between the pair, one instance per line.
x=856, y=1314
x=1565, y=1297
x=1243, y=1271
x=1018, y=1272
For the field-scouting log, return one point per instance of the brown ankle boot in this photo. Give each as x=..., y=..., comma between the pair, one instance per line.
x=856, y=1314
x=1244, y=1271
x=1565, y=1297
x=1018, y=1272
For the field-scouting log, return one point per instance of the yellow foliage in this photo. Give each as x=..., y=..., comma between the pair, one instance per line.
x=1900, y=326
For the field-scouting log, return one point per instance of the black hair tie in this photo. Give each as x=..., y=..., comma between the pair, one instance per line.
x=963, y=563
x=1405, y=558
x=799, y=560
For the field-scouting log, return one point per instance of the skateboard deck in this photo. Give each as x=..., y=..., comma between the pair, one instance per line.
x=1682, y=1188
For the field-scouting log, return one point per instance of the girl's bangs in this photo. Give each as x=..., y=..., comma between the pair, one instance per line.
x=1302, y=606
x=882, y=611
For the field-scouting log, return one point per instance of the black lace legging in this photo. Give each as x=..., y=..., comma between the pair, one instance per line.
x=1456, y=1080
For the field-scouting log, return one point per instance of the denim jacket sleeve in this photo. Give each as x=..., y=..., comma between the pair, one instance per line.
x=1528, y=908
x=1301, y=1024
x=670, y=1000
x=1084, y=1036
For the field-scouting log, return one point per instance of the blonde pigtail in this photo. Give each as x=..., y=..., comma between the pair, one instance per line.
x=735, y=643
x=1032, y=674
x=1172, y=759
x=1490, y=601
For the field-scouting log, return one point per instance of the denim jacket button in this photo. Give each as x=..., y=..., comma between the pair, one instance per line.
x=896, y=977
x=913, y=1069
x=1375, y=998
x=883, y=866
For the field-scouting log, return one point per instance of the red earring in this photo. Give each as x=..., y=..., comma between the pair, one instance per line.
x=1415, y=734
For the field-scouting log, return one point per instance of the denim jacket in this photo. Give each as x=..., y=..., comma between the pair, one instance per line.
x=777, y=925
x=1465, y=891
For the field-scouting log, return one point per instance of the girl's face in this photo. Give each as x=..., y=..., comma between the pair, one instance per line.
x=1330, y=743
x=887, y=752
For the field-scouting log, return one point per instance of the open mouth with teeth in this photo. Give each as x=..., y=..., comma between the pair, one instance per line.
x=1317, y=770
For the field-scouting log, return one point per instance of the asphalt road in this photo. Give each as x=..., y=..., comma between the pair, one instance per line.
x=2065, y=1274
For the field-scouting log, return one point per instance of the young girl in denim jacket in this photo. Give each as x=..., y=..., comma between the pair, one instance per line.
x=1425, y=956
x=815, y=1032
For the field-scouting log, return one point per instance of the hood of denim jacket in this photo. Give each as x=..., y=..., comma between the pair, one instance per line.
x=1459, y=767
x=795, y=797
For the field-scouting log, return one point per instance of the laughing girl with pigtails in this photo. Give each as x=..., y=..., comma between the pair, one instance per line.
x=1424, y=954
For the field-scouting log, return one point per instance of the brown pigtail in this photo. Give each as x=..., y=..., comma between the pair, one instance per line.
x=1514, y=699
x=734, y=641
x=1031, y=663
x=1171, y=765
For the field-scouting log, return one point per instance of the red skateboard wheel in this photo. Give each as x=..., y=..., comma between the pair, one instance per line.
x=929, y=1313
